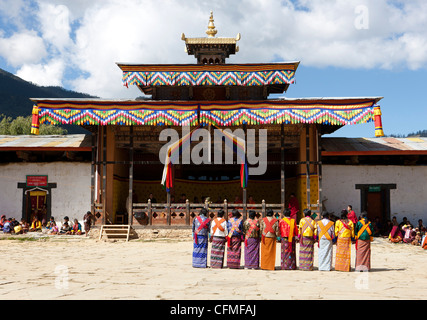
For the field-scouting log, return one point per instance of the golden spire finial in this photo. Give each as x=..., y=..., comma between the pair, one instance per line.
x=211, y=32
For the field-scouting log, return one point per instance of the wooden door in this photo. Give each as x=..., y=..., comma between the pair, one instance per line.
x=374, y=205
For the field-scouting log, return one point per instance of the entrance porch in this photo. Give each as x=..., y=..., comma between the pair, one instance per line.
x=126, y=169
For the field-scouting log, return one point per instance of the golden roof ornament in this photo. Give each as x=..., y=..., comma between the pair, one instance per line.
x=211, y=49
x=211, y=32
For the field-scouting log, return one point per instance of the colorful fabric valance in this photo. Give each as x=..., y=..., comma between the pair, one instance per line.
x=288, y=116
x=116, y=113
x=209, y=78
x=219, y=113
x=209, y=75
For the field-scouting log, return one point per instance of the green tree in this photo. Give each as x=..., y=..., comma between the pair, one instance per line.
x=22, y=126
x=49, y=129
x=5, y=125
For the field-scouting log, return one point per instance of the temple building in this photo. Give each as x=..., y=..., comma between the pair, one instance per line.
x=136, y=180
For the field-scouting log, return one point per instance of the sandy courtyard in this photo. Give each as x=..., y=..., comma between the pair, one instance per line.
x=84, y=268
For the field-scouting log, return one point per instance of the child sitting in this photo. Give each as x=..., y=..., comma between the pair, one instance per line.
x=17, y=228
x=51, y=223
x=7, y=227
x=408, y=237
x=53, y=228
x=77, y=227
x=65, y=229
x=417, y=239
x=25, y=226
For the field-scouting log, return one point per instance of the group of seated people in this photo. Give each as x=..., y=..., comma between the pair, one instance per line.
x=66, y=227
x=405, y=232
x=11, y=226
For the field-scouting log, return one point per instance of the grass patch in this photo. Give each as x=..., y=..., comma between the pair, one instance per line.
x=22, y=239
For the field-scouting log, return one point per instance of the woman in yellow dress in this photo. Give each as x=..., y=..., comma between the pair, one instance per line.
x=344, y=231
x=307, y=232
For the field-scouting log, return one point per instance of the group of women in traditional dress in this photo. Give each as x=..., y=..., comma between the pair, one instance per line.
x=260, y=236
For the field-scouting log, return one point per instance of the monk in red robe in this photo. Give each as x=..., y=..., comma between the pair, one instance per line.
x=351, y=215
x=293, y=206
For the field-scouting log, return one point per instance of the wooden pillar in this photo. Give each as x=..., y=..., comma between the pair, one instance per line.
x=187, y=212
x=264, y=209
x=319, y=168
x=92, y=174
x=245, y=204
x=104, y=174
x=245, y=196
x=150, y=213
x=168, y=209
x=307, y=162
x=130, y=204
x=282, y=167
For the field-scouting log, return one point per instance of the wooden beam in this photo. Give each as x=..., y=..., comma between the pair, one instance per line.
x=374, y=153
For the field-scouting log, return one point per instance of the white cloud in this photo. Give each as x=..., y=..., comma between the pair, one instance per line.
x=49, y=74
x=22, y=48
x=55, y=25
x=76, y=8
x=14, y=12
x=133, y=32
x=415, y=47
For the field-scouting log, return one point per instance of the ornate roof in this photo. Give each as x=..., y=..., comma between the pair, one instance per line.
x=263, y=74
x=330, y=111
x=211, y=50
x=233, y=107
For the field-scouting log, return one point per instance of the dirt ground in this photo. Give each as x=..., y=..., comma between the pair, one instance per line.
x=78, y=267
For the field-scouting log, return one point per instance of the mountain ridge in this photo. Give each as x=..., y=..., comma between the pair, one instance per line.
x=15, y=94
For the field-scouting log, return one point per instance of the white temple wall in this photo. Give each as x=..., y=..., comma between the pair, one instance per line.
x=70, y=198
x=409, y=199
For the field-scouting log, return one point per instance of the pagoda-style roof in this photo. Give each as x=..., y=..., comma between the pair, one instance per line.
x=209, y=93
x=329, y=111
x=211, y=50
x=204, y=40
x=226, y=45
x=276, y=76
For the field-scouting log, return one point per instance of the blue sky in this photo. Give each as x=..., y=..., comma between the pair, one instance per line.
x=403, y=106
x=347, y=48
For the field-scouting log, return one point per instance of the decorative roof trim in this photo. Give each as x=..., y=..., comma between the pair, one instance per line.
x=221, y=113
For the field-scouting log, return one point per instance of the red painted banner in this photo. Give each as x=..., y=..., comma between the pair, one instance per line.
x=36, y=181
